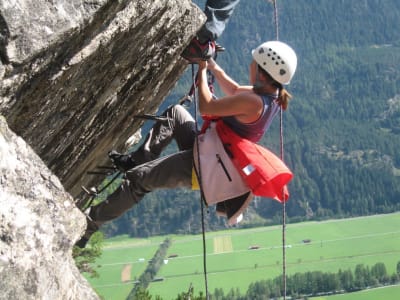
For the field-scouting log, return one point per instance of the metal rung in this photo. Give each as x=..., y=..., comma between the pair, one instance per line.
x=152, y=117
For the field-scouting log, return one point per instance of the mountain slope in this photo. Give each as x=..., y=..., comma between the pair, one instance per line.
x=341, y=131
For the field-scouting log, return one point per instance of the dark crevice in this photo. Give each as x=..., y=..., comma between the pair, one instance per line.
x=4, y=35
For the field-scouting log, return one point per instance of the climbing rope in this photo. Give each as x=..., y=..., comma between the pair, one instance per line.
x=283, y=216
x=196, y=113
x=194, y=93
x=276, y=23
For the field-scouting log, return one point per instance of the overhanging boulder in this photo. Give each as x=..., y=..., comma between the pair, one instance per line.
x=74, y=74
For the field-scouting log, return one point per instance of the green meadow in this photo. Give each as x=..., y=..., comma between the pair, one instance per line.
x=387, y=293
x=231, y=263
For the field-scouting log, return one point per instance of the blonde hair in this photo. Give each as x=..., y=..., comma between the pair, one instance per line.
x=284, y=98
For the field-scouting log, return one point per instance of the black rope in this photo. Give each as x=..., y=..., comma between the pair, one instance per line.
x=283, y=215
x=276, y=22
x=196, y=113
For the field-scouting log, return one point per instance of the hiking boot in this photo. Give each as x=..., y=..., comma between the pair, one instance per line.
x=196, y=51
x=122, y=162
x=91, y=227
x=82, y=242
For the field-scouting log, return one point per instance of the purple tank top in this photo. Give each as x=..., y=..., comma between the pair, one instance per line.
x=254, y=131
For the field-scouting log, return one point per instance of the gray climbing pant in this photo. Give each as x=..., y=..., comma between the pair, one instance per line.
x=154, y=172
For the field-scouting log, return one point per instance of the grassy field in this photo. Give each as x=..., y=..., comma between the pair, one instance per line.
x=332, y=245
x=387, y=293
x=118, y=254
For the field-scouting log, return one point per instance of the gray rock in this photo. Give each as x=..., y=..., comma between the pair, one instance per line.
x=38, y=226
x=74, y=74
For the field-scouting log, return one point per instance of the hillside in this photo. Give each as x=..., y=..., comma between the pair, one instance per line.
x=341, y=132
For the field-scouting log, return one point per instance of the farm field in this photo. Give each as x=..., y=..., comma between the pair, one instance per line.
x=122, y=260
x=325, y=246
x=387, y=293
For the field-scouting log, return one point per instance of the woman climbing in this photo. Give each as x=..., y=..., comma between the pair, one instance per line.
x=247, y=110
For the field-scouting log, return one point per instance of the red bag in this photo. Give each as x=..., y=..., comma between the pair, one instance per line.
x=262, y=170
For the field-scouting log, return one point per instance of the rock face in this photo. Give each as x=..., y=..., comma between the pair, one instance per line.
x=72, y=76
x=38, y=226
x=74, y=73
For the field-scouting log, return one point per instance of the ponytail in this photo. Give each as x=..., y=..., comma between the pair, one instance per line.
x=284, y=98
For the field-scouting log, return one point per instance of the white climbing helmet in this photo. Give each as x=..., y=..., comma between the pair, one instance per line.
x=278, y=59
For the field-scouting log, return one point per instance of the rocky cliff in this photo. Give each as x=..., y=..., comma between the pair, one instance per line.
x=38, y=226
x=73, y=75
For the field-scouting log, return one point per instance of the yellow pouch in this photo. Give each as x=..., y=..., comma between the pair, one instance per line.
x=195, y=182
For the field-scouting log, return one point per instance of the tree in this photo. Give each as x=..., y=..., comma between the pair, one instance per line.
x=346, y=280
x=85, y=257
x=379, y=272
x=141, y=294
x=362, y=275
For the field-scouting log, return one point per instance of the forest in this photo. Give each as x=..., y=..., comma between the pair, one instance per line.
x=340, y=132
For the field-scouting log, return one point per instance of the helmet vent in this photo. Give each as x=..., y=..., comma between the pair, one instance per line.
x=282, y=72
